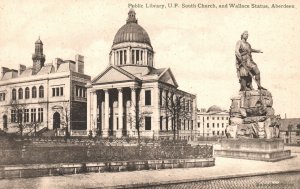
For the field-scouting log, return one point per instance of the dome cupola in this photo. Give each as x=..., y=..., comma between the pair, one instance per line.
x=131, y=44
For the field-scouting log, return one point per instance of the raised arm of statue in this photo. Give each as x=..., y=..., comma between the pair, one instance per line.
x=237, y=50
x=256, y=51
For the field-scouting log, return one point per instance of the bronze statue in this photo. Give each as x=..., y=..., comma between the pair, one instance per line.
x=246, y=67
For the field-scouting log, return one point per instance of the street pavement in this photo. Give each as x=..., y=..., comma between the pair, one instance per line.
x=225, y=168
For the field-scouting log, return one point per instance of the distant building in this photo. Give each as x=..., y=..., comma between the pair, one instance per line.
x=290, y=130
x=131, y=87
x=50, y=95
x=212, y=122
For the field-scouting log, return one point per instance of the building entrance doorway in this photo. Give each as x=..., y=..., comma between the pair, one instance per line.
x=56, y=120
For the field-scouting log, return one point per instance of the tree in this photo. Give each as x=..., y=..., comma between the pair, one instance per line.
x=17, y=110
x=177, y=109
x=66, y=118
x=136, y=120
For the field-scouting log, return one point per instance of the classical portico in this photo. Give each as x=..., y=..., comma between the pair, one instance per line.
x=111, y=109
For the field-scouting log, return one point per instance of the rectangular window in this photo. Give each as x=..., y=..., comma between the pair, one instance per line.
x=13, y=116
x=61, y=91
x=217, y=125
x=160, y=122
x=26, y=115
x=198, y=125
x=20, y=116
x=2, y=96
x=147, y=123
x=40, y=115
x=160, y=97
x=147, y=97
x=33, y=115
x=217, y=118
x=213, y=133
x=287, y=133
x=207, y=118
x=77, y=91
x=167, y=123
x=184, y=124
x=213, y=125
x=53, y=91
x=192, y=125
x=222, y=125
x=218, y=132
x=222, y=133
x=207, y=125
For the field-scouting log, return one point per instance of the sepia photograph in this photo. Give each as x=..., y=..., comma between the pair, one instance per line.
x=149, y=94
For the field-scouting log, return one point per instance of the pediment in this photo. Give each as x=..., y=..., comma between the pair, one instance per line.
x=113, y=74
x=168, y=78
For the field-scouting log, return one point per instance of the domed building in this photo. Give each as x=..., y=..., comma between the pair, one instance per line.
x=131, y=95
x=213, y=122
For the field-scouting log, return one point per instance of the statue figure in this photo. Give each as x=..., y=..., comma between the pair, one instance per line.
x=246, y=67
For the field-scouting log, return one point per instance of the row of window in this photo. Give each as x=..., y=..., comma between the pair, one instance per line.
x=80, y=91
x=185, y=125
x=57, y=91
x=213, y=125
x=213, y=118
x=185, y=104
x=19, y=116
x=136, y=56
x=27, y=93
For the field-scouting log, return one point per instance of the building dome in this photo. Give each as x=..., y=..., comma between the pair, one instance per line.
x=132, y=32
x=214, y=108
x=39, y=41
x=131, y=45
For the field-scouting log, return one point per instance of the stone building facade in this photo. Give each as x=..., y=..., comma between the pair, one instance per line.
x=213, y=122
x=290, y=130
x=131, y=93
x=51, y=96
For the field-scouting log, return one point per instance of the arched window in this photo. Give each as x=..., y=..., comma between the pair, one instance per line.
x=20, y=91
x=26, y=92
x=33, y=92
x=14, y=94
x=41, y=92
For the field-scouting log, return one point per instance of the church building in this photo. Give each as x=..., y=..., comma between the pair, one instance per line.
x=132, y=96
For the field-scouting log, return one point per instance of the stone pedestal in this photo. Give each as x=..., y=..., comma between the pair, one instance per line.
x=104, y=133
x=254, y=149
x=119, y=133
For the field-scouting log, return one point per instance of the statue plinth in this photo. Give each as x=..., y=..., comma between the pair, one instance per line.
x=254, y=149
x=253, y=130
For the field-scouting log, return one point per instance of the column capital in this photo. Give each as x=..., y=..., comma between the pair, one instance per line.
x=120, y=90
x=105, y=90
x=133, y=88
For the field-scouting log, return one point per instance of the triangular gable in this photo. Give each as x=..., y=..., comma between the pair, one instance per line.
x=113, y=74
x=168, y=77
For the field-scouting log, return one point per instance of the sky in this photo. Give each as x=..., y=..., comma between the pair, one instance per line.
x=196, y=43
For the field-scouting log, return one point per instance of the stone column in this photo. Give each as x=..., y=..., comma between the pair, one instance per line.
x=95, y=105
x=88, y=110
x=141, y=62
x=133, y=111
x=134, y=57
x=123, y=56
x=120, y=112
x=128, y=56
x=146, y=57
x=106, y=114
